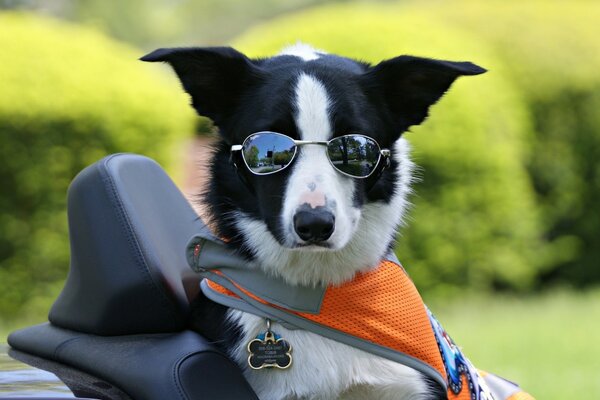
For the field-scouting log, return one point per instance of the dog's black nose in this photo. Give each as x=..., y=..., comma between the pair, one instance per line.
x=314, y=225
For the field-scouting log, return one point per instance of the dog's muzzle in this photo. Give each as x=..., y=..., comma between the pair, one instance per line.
x=315, y=225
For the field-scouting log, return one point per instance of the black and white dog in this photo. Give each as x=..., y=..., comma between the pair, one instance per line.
x=309, y=223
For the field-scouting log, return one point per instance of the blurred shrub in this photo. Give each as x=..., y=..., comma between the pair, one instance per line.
x=151, y=23
x=474, y=222
x=68, y=97
x=552, y=51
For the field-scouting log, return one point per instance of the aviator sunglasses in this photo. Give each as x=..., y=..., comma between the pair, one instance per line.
x=266, y=153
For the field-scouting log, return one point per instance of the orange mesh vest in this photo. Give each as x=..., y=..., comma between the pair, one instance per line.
x=379, y=311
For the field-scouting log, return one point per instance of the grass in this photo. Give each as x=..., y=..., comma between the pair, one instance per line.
x=547, y=343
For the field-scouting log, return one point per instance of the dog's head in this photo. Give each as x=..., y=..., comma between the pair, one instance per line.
x=308, y=222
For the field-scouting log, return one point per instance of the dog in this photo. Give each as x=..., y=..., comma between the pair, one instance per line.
x=306, y=221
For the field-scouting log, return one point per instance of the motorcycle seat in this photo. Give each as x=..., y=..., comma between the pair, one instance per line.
x=122, y=317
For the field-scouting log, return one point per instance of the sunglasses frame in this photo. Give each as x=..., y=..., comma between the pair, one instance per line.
x=383, y=153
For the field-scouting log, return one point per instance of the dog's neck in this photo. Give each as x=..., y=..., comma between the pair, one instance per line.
x=373, y=239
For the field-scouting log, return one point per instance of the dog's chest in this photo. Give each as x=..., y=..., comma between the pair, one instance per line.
x=322, y=368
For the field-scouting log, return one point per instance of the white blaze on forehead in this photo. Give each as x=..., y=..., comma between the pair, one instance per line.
x=314, y=182
x=312, y=105
x=304, y=51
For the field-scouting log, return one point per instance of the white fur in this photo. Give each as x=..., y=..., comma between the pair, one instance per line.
x=376, y=227
x=312, y=106
x=302, y=50
x=323, y=368
x=313, y=174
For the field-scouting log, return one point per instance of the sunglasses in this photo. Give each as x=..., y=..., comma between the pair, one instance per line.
x=266, y=153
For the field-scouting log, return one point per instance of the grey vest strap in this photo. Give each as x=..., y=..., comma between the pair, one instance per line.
x=214, y=255
x=208, y=254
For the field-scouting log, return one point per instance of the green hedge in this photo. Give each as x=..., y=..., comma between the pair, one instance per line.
x=68, y=97
x=552, y=51
x=474, y=222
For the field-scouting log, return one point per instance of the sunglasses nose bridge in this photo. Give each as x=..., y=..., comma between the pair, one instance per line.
x=316, y=151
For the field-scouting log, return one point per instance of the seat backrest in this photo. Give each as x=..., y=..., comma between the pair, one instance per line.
x=129, y=226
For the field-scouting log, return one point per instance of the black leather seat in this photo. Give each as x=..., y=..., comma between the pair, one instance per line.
x=121, y=318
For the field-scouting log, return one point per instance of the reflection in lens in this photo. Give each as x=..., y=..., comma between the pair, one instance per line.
x=268, y=152
x=354, y=155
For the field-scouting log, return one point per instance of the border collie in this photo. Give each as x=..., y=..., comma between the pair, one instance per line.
x=312, y=223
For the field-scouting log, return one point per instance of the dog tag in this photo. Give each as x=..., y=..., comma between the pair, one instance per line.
x=269, y=351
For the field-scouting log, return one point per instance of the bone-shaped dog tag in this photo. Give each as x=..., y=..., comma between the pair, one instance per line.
x=269, y=351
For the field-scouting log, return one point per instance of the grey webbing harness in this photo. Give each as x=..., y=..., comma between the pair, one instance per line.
x=208, y=256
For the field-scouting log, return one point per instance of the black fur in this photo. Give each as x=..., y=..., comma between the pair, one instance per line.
x=210, y=320
x=436, y=392
x=405, y=87
x=244, y=96
x=215, y=77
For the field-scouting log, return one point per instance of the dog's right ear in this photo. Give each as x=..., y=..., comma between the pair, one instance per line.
x=215, y=77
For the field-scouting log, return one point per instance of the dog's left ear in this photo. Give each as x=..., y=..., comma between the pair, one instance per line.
x=215, y=77
x=410, y=85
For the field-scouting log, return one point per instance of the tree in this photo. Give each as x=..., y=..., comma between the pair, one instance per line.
x=282, y=158
x=251, y=156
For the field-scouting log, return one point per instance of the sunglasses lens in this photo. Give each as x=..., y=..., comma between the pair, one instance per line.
x=268, y=152
x=355, y=155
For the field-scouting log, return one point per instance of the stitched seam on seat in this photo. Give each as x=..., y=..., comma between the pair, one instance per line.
x=125, y=222
x=177, y=367
x=56, y=354
x=183, y=395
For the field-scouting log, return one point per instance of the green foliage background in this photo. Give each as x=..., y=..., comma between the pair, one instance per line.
x=68, y=97
x=148, y=23
x=552, y=53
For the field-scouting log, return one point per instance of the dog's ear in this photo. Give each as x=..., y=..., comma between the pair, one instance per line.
x=215, y=77
x=408, y=85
